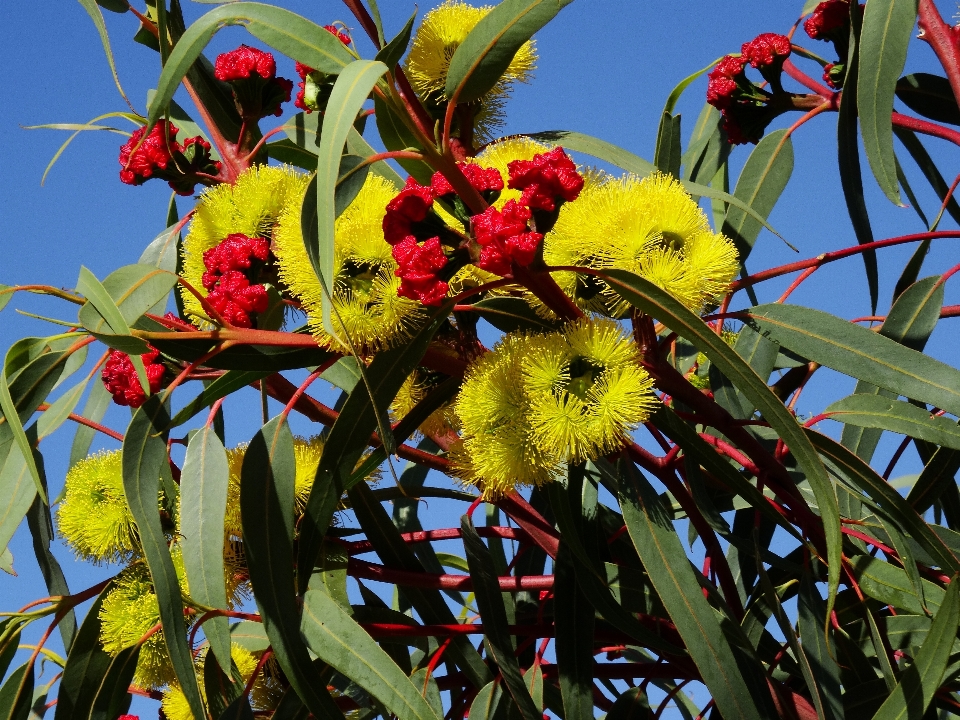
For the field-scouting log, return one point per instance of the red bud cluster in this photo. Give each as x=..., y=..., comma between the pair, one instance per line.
x=502, y=237
x=252, y=73
x=120, y=377
x=157, y=154
x=231, y=292
x=311, y=80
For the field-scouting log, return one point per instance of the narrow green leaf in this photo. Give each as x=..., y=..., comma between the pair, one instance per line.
x=818, y=646
x=683, y=85
x=113, y=696
x=94, y=12
x=888, y=26
x=651, y=299
x=392, y=52
x=930, y=96
x=860, y=353
x=890, y=585
x=87, y=665
x=864, y=478
x=929, y=169
x=239, y=710
x=288, y=32
x=54, y=416
x=95, y=408
x=707, y=149
x=631, y=705
x=135, y=290
x=667, y=155
x=267, y=480
x=574, y=617
x=351, y=433
x=481, y=59
x=429, y=604
x=17, y=491
x=203, y=503
x=396, y=136
x=738, y=689
x=347, y=97
x=848, y=156
x=6, y=561
x=16, y=694
x=921, y=680
x=487, y=704
x=496, y=636
x=761, y=182
x=250, y=636
x=340, y=642
x=898, y=417
x=144, y=454
x=938, y=474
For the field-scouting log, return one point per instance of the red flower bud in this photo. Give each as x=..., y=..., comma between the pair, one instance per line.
x=546, y=178
x=418, y=268
x=481, y=178
x=829, y=20
x=235, y=298
x=236, y=252
x=153, y=154
x=341, y=36
x=504, y=238
x=766, y=49
x=120, y=377
x=243, y=62
x=723, y=83
x=410, y=206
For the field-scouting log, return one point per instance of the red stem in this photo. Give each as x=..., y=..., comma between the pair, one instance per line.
x=508, y=583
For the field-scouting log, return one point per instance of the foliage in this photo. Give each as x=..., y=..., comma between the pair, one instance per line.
x=544, y=340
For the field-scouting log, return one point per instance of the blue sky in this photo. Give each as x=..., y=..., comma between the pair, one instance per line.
x=605, y=69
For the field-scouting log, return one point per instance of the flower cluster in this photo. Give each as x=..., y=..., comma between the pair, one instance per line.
x=502, y=235
x=157, y=154
x=539, y=401
x=252, y=74
x=314, y=87
x=121, y=381
x=230, y=266
x=743, y=104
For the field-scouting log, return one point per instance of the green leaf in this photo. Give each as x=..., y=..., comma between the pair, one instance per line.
x=86, y=667
x=938, y=474
x=887, y=30
x=890, y=585
x=393, y=51
x=6, y=561
x=496, y=636
x=602, y=150
x=860, y=353
x=864, y=478
x=351, y=432
x=667, y=155
x=898, y=417
x=848, y=156
x=17, y=490
x=921, y=680
x=291, y=34
x=102, y=308
x=485, y=54
x=631, y=705
x=144, y=454
x=707, y=149
x=287, y=151
x=761, y=182
x=397, y=136
x=660, y=304
x=429, y=604
x=737, y=688
x=486, y=705
x=117, y=6
x=135, y=290
x=229, y=382
x=930, y=96
x=162, y=253
x=818, y=646
x=911, y=320
x=203, y=503
x=54, y=416
x=511, y=314
x=340, y=642
x=239, y=710
x=347, y=97
x=267, y=359
x=250, y=636
x=95, y=408
x=933, y=176
x=267, y=479
x=574, y=618
x=16, y=694
x=683, y=85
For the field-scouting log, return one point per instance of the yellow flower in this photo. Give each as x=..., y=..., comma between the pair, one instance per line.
x=441, y=32
x=497, y=451
x=365, y=287
x=587, y=390
x=650, y=227
x=94, y=518
x=128, y=612
x=263, y=697
x=251, y=206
